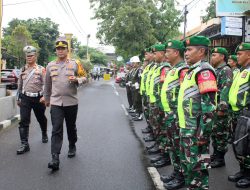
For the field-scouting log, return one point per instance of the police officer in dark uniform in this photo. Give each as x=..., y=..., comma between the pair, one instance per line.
x=128, y=85
x=29, y=96
x=136, y=78
x=63, y=76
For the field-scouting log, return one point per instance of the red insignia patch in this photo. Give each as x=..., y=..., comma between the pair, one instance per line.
x=187, y=41
x=207, y=82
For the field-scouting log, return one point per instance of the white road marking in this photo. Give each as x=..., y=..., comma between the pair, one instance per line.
x=156, y=178
x=117, y=94
x=125, y=111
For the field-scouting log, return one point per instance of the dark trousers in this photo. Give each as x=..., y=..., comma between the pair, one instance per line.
x=137, y=101
x=58, y=114
x=27, y=104
x=129, y=96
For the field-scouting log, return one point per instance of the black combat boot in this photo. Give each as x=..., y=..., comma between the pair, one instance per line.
x=72, y=151
x=245, y=181
x=168, y=178
x=44, y=137
x=54, y=164
x=177, y=183
x=218, y=160
x=236, y=177
x=24, y=135
x=147, y=130
x=156, y=158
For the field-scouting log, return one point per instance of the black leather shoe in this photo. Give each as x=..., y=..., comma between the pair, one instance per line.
x=154, y=150
x=146, y=130
x=236, y=177
x=149, y=138
x=243, y=183
x=54, y=164
x=217, y=163
x=44, y=138
x=161, y=163
x=72, y=151
x=151, y=146
x=168, y=178
x=23, y=148
x=139, y=118
x=174, y=184
x=156, y=158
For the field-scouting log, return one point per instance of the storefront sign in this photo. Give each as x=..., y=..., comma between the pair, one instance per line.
x=232, y=7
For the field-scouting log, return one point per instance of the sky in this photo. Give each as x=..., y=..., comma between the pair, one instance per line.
x=84, y=25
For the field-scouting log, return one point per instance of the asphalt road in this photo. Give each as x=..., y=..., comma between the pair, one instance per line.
x=109, y=156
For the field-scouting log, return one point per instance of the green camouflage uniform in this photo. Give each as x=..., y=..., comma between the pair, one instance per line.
x=220, y=130
x=196, y=107
x=169, y=95
x=242, y=102
x=159, y=113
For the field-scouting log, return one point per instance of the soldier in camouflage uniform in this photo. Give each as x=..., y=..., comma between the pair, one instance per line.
x=196, y=108
x=220, y=130
x=148, y=63
x=169, y=93
x=239, y=99
x=156, y=82
x=232, y=61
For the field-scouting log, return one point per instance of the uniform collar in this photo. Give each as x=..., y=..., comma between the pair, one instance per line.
x=27, y=66
x=58, y=62
x=221, y=65
x=179, y=64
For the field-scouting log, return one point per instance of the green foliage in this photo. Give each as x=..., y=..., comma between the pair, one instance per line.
x=96, y=57
x=15, y=43
x=211, y=12
x=131, y=25
x=43, y=31
x=86, y=65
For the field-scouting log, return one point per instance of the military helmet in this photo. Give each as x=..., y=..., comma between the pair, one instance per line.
x=29, y=50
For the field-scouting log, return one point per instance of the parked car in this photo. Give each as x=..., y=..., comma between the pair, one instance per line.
x=10, y=77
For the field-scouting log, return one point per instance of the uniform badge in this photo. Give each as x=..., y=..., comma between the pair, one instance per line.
x=172, y=72
x=205, y=75
x=188, y=41
x=241, y=47
x=215, y=49
x=169, y=44
x=244, y=74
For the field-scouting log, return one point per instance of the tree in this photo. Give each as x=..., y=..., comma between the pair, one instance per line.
x=43, y=31
x=96, y=57
x=131, y=25
x=211, y=12
x=15, y=43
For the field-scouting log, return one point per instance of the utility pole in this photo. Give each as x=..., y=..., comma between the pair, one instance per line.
x=185, y=21
x=88, y=36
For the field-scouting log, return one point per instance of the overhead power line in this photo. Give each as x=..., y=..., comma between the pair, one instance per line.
x=21, y=2
x=66, y=9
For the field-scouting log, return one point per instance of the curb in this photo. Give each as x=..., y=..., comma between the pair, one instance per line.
x=7, y=123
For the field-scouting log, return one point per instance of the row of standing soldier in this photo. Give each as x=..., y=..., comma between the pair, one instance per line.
x=55, y=86
x=187, y=104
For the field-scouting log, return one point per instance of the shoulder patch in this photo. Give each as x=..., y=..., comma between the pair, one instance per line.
x=207, y=82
